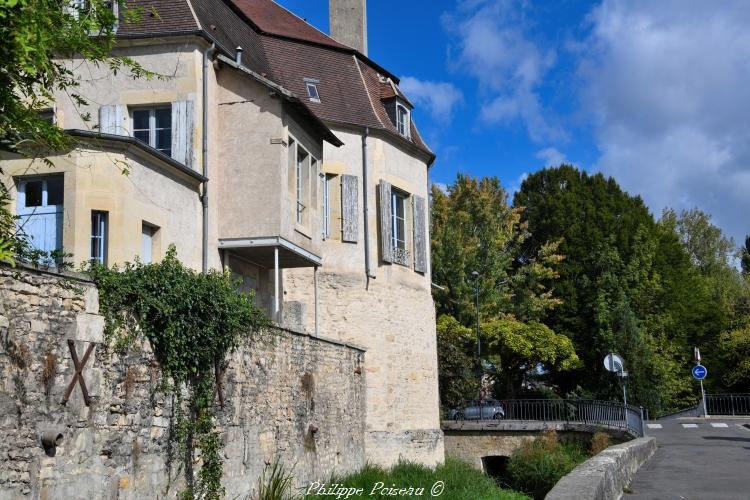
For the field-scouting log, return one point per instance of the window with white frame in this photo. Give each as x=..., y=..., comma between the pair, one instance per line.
x=148, y=234
x=99, y=237
x=402, y=120
x=312, y=89
x=398, y=227
x=153, y=125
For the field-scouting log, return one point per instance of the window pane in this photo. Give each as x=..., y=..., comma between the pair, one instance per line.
x=163, y=118
x=99, y=237
x=34, y=194
x=312, y=91
x=140, y=120
x=164, y=140
x=55, y=190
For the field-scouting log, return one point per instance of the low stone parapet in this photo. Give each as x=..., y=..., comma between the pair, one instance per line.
x=604, y=476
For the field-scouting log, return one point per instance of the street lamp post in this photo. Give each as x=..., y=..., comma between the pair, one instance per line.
x=475, y=276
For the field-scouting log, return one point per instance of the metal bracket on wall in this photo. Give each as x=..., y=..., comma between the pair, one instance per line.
x=78, y=375
x=219, y=372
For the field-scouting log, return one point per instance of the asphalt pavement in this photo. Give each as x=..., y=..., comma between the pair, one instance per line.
x=696, y=459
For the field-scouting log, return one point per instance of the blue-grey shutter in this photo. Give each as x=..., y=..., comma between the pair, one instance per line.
x=182, y=132
x=420, y=234
x=386, y=242
x=349, y=208
x=111, y=119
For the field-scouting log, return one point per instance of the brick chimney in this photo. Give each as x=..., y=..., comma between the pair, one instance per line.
x=348, y=21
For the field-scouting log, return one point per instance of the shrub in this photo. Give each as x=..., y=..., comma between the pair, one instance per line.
x=539, y=464
x=599, y=443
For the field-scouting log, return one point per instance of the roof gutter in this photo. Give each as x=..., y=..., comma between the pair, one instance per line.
x=207, y=55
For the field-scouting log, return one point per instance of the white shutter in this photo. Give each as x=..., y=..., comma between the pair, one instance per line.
x=182, y=132
x=420, y=235
x=111, y=118
x=386, y=242
x=349, y=208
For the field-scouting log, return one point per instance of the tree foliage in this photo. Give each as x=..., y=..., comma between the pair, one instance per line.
x=474, y=229
x=455, y=346
x=520, y=348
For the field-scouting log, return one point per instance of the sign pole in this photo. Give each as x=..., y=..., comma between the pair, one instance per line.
x=703, y=397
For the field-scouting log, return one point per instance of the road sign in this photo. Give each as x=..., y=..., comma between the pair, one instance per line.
x=613, y=362
x=697, y=353
x=699, y=372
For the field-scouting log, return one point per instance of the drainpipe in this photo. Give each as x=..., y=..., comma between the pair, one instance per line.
x=204, y=151
x=365, y=189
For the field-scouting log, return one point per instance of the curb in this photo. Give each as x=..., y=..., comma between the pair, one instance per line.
x=604, y=476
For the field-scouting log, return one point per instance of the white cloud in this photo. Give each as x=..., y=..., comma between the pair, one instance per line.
x=493, y=48
x=552, y=157
x=514, y=186
x=667, y=85
x=440, y=98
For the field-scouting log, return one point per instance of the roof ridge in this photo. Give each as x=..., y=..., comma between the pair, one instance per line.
x=195, y=16
x=367, y=90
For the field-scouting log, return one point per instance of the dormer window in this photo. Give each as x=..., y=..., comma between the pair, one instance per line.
x=402, y=120
x=312, y=89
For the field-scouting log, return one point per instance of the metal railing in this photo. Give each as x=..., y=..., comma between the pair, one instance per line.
x=593, y=412
x=728, y=404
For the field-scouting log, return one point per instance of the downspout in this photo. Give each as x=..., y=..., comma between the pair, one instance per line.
x=204, y=151
x=365, y=189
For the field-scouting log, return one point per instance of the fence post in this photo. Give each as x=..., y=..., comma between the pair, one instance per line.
x=731, y=400
x=643, y=426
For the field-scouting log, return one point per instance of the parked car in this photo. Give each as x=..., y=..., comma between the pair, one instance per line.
x=487, y=409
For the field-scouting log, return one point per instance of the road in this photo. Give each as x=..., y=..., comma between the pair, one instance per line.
x=696, y=459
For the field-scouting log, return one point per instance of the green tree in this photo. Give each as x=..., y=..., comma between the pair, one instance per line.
x=474, y=229
x=597, y=224
x=456, y=379
x=745, y=256
x=38, y=37
x=518, y=349
x=735, y=347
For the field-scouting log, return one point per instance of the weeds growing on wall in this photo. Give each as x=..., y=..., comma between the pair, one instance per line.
x=192, y=322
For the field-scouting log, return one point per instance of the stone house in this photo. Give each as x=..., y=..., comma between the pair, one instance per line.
x=275, y=151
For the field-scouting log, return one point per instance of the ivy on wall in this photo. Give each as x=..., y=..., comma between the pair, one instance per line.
x=192, y=322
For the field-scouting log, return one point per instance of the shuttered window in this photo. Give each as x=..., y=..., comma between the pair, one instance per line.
x=349, y=208
x=183, y=121
x=153, y=126
x=111, y=119
x=420, y=234
x=384, y=200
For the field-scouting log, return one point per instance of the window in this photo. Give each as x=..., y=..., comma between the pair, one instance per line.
x=148, y=233
x=303, y=167
x=402, y=120
x=99, y=237
x=398, y=227
x=154, y=127
x=48, y=115
x=312, y=89
x=40, y=211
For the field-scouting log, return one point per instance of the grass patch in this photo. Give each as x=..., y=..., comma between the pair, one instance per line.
x=459, y=482
x=538, y=465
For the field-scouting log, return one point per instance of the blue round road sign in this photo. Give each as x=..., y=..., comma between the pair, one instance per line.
x=699, y=372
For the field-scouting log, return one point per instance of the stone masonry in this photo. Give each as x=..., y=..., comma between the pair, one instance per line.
x=286, y=395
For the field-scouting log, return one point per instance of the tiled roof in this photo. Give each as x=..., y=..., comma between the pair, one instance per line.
x=273, y=19
x=284, y=48
x=163, y=16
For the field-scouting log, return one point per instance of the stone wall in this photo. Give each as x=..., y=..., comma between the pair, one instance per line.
x=285, y=394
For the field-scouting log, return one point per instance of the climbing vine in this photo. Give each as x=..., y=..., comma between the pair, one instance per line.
x=192, y=322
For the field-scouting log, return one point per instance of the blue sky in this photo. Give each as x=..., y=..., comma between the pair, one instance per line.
x=655, y=94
